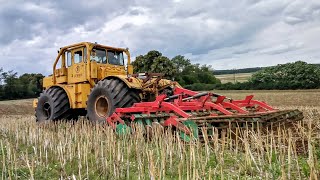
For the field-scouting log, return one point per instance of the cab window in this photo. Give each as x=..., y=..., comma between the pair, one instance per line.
x=68, y=57
x=77, y=56
x=98, y=55
x=115, y=57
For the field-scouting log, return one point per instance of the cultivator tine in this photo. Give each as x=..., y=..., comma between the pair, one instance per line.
x=195, y=115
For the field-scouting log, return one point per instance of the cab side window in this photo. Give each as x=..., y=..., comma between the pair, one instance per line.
x=77, y=56
x=68, y=57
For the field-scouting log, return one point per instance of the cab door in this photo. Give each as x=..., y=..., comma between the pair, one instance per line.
x=76, y=65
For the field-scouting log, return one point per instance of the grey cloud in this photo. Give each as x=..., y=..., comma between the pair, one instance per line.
x=135, y=12
x=127, y=26
x=208, y=32
x=191, y=33
x=244, y=51
x=58, y=15
x=196, y=38
x=281, y=48
x=302, y=11
x=293, y=20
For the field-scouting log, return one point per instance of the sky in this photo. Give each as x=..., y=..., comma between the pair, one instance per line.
x=225, y=34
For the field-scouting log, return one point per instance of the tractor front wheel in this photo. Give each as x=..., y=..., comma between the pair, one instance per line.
x=53, y=104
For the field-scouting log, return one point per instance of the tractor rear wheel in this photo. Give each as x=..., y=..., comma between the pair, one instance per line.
x=53, y=104
x=106, y=96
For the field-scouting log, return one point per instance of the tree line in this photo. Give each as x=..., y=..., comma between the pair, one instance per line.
x=244, y=70
x=13, y=86
x=237, y=71
x=296, y=75
x=289, y=76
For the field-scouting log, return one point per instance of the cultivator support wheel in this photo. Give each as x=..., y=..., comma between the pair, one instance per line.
x=194, y=131
x=191, y=113
x=122, y=129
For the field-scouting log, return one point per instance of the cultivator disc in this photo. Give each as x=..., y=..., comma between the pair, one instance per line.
x=192, y=113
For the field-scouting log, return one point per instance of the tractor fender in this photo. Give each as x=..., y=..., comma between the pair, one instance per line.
x=35, y=101
x=131, y=82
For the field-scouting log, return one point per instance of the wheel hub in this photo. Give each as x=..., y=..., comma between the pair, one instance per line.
x=102, y=106
x=47, y=110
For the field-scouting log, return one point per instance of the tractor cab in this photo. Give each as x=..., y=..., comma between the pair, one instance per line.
x=88, y=62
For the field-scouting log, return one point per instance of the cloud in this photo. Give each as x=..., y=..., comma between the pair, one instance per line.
x=225, y=34
x=301, y=11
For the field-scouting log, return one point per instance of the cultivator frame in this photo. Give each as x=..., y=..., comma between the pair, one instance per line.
x=188, y=111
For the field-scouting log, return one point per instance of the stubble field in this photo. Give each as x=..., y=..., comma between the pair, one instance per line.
x=84, y=151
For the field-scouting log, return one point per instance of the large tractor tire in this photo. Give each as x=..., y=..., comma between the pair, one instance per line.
x=53, y=104
x=107, y=95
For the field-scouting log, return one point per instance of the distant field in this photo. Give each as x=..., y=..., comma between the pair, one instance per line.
x=16, y=107
x=279, y=98
x=240, y=77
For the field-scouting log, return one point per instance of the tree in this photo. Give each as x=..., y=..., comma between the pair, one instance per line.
x=24, y=86
x=10, y=88
x=154, y=62
x=206, y=76
x=1, y=86
x=297, y=75
x=184, y=67
x=163, y=64
x=32, y=84
x=1, y=77
x=181, y=63
x=143, y=63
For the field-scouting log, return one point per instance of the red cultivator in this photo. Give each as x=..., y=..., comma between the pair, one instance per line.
x=188, y=111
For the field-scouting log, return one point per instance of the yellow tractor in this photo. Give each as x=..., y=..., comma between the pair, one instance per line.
x=98, y=81
x=90, y=78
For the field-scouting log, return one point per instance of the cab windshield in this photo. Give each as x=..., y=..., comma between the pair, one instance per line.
x=115, y=57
